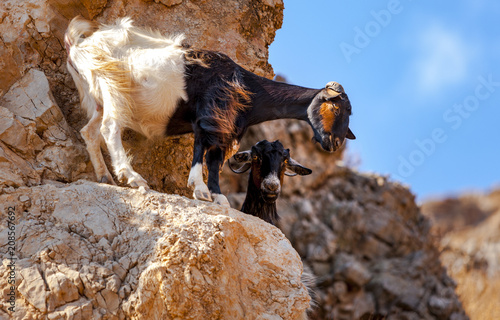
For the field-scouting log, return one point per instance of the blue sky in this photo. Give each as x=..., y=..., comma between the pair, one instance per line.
x=423, y=78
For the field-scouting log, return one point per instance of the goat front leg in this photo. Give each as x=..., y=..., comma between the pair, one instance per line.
x=215, y=160
x=111, y=131
x=92, y=136
x=195, y=179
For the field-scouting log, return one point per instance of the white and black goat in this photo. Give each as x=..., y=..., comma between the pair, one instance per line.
x=268, y=163
x=136, y=78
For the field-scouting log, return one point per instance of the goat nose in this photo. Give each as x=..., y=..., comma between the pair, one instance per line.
x=272, y=186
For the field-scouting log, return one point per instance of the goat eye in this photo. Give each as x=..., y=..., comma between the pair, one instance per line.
x=255, y=158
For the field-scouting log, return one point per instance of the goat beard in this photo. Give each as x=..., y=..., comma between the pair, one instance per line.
x=259, y=207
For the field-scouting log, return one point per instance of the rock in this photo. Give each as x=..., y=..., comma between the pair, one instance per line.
x=186, y=259
x=355, y=272
x=31, y=287
x=389, y=289
x=23, y=139
x=33, y=126
x=14, y=170
x=383, y=262
x=9, y=67
x=440, y=306
x=62, y=290
x=31, y=99
x=467, y=229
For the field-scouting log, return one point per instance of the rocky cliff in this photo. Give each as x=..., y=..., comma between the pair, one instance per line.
x=468, y=231
x=89, y=251
x=93, y=251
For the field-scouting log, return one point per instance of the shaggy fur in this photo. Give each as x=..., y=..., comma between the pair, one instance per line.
x=142, y=72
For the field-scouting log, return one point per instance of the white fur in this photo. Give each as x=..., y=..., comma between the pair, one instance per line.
x=195, y=180
x=154, y=66
x=136, y=76
x=271, y=178
x=91, y=134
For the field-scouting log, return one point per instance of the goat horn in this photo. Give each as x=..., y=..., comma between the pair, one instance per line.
x=244, y=168
x=335, y=86
x=243, y=156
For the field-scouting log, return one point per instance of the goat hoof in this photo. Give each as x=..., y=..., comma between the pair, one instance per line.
x=200, y=195
x=107, y=179
x=221, y=200
x=104, y=179
x=139, y=184
x=137, y=181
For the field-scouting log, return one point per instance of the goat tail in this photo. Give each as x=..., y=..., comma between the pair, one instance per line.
x=78, y=29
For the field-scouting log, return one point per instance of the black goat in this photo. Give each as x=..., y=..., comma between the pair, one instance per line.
x=268, y=162
x=137, y=78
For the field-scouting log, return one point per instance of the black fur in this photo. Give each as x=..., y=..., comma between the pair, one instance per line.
x=255, y=205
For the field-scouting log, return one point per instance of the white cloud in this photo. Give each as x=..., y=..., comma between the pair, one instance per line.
x=442, y=58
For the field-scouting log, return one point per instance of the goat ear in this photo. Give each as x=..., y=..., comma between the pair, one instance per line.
x=296, y=168
x=350, y=135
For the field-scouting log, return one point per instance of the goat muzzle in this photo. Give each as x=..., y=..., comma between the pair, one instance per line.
x=270, y=190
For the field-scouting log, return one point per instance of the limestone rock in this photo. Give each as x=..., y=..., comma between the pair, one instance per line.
x=114, y=253
x=32, y=288
x=35, y=140
x=10, y=70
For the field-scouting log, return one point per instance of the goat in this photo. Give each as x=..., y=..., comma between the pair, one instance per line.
x=136, y=78
x=268, y=163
